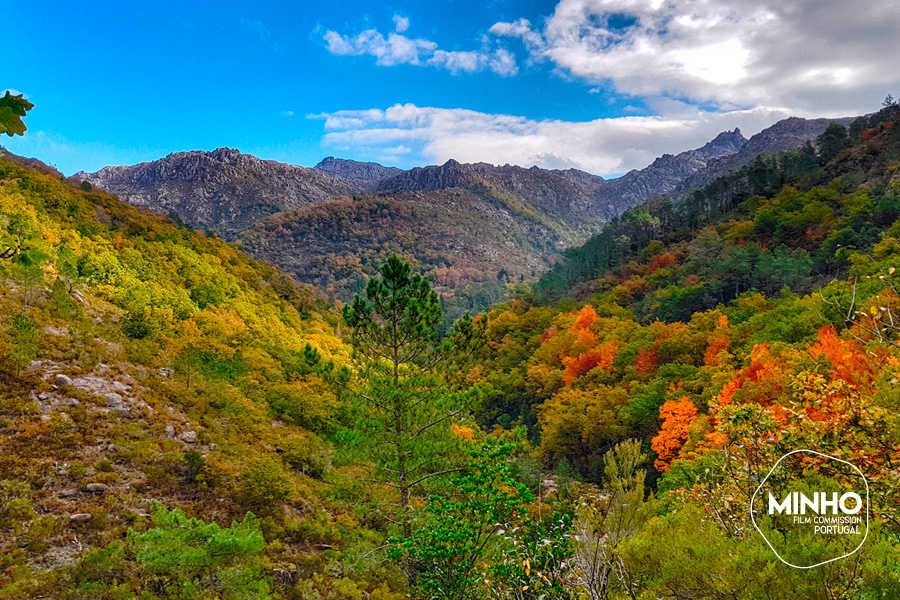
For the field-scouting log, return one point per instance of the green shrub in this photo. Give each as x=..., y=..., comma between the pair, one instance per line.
x=265, y=483
x=310, y=455
x=19, y=510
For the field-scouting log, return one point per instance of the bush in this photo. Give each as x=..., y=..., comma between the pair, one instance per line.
x=265, y=483
x=309, y=455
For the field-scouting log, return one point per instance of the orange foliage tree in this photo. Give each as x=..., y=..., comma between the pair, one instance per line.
x=849, y=362
x=711, y=357
x=646, y=361
x=601, y=357
x=677, y=417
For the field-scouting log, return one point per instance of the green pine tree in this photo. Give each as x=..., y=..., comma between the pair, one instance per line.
x=188, y=556
x=410, y=384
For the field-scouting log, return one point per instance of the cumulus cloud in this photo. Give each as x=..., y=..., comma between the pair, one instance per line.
x=396, y=48
x=608, y=146
x=812, y=56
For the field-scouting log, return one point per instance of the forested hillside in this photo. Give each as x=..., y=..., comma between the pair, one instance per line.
x=473, y=228
x=675, y=298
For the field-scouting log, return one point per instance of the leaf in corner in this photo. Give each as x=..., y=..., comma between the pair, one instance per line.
x=12, y=109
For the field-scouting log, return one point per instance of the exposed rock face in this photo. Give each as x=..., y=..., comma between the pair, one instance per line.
x=558, y=194
x=223, y=190
x=667, y=172
x=366, y=175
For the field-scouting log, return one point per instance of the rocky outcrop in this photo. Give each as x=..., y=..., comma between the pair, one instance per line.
x=668, y=171
x=560, y=195
x=464, y=223
x=366, y=175
x=571, y=194
x=223, y=190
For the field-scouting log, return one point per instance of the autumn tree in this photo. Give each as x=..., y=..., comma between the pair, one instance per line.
x=676, y=416
x=411, y=384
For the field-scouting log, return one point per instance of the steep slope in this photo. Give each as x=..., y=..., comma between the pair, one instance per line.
x=223, y=190
x=366, y=175
x=139, y=361
x=560, y=195
x=786, y=134
x=821, y=226
x=668, y=172
x=572, y=193
x=475, y=221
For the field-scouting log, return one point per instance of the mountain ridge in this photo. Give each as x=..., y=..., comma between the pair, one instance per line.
x=338, y=212
x=235, y=190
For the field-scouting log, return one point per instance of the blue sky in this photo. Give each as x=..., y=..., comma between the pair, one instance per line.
x=602, y=85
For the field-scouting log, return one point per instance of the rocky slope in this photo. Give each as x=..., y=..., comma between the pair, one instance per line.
x=561, y=195
x=784, y=135
x=223, y=190
x=667, y=172
x=366, y=175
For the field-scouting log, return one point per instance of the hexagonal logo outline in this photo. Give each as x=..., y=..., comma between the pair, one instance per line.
x=768, y=543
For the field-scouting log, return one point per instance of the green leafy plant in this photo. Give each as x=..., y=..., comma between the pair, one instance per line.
x=461, y=531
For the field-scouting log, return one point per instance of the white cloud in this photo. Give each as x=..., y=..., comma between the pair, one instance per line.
x=603, y=146
x=500, y=61
x=395, y=49
x=398, y=49
x=401, y=24
x=812, y=56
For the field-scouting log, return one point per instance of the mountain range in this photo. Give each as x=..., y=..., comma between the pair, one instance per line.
x=463, y=223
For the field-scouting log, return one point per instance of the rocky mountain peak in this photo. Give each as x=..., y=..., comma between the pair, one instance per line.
x=786, y=134
x=790, y=133
x=223, y=189
x=727, y=142
x=365, y=174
